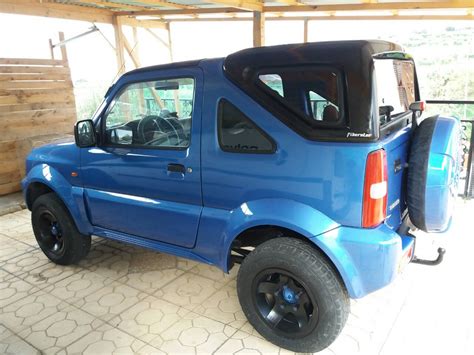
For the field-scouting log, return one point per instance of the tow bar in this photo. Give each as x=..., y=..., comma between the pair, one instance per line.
x=437, y=261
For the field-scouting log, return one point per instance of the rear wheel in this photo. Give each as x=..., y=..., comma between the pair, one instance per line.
x=56, y=232
x=292, y=296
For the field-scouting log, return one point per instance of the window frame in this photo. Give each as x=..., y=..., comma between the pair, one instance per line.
x=108, y=108
x=342, y=122
x=273, y=143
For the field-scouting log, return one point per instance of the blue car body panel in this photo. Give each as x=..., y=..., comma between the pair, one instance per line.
x=314, y=188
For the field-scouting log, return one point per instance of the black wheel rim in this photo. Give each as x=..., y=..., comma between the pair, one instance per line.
x=51, y=237
x=284, y=303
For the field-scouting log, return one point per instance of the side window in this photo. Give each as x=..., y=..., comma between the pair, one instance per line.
x=238, y=134
x=152, y=114
x=311, y=91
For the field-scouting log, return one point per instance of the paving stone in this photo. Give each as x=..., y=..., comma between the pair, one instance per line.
x=26, y=262
x=224, y=307
x=12, y=248
x=60, y=329
x=148, y=318
x=13, y=289
x=14, y=345
x=29, y=310
x=189, y=290
x=108, y=340
x=193, y=334
x=110, y=300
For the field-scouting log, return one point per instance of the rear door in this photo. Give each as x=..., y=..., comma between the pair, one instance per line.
x=144, y=178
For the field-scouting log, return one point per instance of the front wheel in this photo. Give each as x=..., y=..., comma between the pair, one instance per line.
x=56, y=232
x=292, y=295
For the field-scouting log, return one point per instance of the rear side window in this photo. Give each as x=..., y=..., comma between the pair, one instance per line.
x=311, y=92
x=238, y=134
x=395, y=80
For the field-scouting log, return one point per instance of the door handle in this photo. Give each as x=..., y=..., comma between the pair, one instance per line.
x=176, y=168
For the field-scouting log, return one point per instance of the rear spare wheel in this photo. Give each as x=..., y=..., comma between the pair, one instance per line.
x=433, y=173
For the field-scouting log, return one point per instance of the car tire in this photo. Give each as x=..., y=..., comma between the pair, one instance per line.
x=418, y=171
x=56, y=232
x=292, y=295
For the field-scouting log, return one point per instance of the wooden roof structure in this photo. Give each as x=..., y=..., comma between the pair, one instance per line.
x=160, y=13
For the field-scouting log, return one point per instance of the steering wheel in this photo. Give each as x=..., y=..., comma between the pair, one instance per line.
x=144, y=127
x=161, y=124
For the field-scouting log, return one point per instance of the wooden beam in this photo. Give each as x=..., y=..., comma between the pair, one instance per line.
x=212, y=10
x=108, y=4
x=133, y=22
x=158, y=38
x=119, y=44
x=258, y=29
x=170, y=42
x=63, y=50
x=249, y=5
x=332, y=18
x=460, y=4
x=132, y=53
x=290, y=2
x=166, y=3
x=305, y=30
x=55, y=10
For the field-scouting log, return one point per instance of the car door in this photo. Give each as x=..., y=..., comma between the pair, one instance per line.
x=144, y=177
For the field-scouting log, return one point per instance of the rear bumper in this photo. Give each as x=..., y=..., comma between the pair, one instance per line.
x=367, y=259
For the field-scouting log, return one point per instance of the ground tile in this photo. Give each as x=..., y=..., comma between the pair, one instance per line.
x=13, y=289
x=151, y=281
x=14, y=345
x=108, y=340
x=30, y=310
x=224, y=307
x=77, y=286
x=193, y=334
x=60, y=329
x=26, y=262
x=98, y=253
x=148, y=318
x=110, y=301
x=12, y=248
x=50, y=273
x=189, y=290
x=214, y=273
x=244, y=343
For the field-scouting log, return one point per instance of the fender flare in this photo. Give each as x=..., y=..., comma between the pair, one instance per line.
x=71, y=196
x=296, y=216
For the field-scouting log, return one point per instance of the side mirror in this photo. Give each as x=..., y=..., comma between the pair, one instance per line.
x=385, y=112
x=84, y=134
x=417, y=106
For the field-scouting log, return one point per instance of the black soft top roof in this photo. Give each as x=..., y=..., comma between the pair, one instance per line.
x=353, y=58
x=342, y=52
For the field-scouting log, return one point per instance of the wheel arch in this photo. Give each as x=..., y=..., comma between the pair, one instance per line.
x=258, y=221
x=43, y=179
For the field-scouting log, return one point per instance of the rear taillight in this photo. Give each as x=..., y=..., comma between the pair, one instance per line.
x=374, y=208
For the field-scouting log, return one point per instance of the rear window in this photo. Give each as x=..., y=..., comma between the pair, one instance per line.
x=311, y=92
x=395, y=80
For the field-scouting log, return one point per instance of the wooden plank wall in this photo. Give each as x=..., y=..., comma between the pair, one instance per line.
x=36, y=106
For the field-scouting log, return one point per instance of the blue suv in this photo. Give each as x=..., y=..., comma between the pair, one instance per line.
x=308, y=164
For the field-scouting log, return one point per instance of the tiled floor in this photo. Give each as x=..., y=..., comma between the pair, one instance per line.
x=123, y=299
